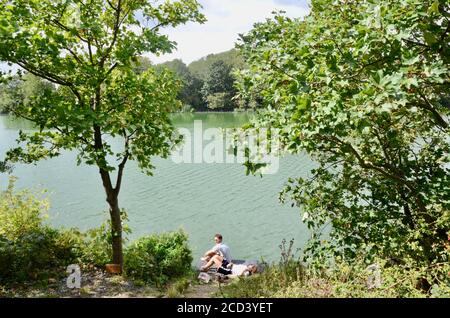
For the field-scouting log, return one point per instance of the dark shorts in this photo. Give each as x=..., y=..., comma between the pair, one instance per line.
x=223, y=269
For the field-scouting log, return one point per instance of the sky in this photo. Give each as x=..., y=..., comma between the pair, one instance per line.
x=226, y=19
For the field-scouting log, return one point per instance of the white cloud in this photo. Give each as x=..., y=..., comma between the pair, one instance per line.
x=291, y=2
x=226, y=19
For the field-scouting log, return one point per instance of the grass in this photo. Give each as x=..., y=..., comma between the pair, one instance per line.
x=295, y=280
x=178, y=288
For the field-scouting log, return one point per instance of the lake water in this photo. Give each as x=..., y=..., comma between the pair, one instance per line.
x=201, y=198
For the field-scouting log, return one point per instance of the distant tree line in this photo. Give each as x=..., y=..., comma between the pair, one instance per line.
x=21, y=89
x=207, y=84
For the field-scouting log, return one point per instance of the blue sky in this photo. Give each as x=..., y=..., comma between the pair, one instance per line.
x=226, y=19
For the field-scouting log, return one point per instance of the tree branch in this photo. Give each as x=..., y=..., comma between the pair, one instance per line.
x=51, y=78
x=90, y=52
x=111, y=5
x=48, y=76
x=122, y=164
x=115, y=33
x=65, y=28
x=367, y=165
x=76, y=57
x=428, y=106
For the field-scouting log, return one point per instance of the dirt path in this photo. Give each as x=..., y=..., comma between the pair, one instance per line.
x=101, y=285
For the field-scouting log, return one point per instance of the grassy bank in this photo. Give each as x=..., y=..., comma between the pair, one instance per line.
x=382, y=279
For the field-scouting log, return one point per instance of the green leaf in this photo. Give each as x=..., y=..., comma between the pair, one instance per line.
x=430, y=38
x=303, y=103
x=434, y=8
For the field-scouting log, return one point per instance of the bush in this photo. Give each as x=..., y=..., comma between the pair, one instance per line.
x=97, y=248
x=29, y=249
x=20, y=212
x=158, y=258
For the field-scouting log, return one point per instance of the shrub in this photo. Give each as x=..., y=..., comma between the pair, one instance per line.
x=20, y=212
x=35, y=255
x=96, y=249
x=29, y=249
x=178, y=288
x=158, y=258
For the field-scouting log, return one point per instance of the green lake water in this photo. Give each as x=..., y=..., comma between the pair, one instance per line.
x=201, y=198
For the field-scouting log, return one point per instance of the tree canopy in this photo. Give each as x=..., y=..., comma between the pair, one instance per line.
x=190, y=93
x=201, y=67
x=362, y=87
x=218, y=89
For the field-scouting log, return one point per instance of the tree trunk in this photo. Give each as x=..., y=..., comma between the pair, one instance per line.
x=116, y=229
x=116, y=219
x=112, y=194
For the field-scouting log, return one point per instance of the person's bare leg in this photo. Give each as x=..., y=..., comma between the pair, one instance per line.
x=217, y=260
x=208, y=265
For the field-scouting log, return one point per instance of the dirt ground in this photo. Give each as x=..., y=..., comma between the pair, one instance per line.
x=102, y=285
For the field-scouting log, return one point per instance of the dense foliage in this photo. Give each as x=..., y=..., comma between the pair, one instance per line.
x=190, y=94
x=29, y=249
x=21, y=90
x=218, y=89
x=157, y=258
x=362, y=86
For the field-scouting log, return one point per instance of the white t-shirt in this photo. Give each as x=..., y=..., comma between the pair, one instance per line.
x=238, y=269
x=223, y=250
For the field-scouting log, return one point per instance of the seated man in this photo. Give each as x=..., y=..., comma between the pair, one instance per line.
x=218, y=255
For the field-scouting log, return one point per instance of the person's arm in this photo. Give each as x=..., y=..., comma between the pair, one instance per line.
x=210, y=253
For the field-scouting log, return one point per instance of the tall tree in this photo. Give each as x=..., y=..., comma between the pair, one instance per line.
x=218, y=89
x=362, y=86
x=200, y=68
x=190, y=94
x=88, y=49
x=142, y=64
